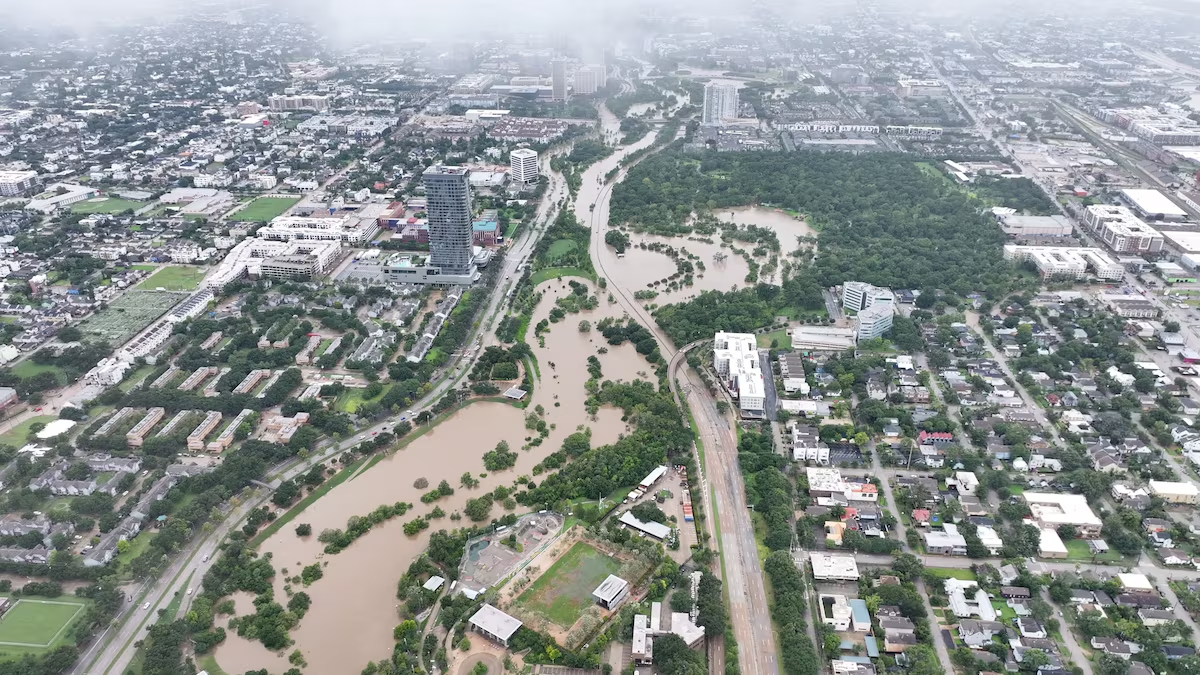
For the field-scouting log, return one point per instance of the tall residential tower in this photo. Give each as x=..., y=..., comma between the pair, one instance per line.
x=720, y=103
x=448, y=196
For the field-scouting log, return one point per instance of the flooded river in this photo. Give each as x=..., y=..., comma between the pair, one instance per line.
x=354, y=605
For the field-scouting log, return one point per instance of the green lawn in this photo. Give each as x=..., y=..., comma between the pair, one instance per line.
x=957, y=573
x=564, y=591
x=208, y=663
x=174, y=279
x=560, y=248
x=781, y=336
x=17, y=435
x=135, y=378
x=1016, y=489
x=28, y=368
x=556, y=273
x=137, y=546
x=348, y=401
x=1004, y=611
x=265, y=208
x=105, y=205
x=37, y=624
x=1079, y=551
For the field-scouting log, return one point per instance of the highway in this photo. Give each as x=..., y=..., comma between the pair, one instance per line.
x=112, y=650
x=743, y=578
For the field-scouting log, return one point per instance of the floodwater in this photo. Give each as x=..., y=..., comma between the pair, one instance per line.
x=786, y=227
x=354, y=606
x=641, y=267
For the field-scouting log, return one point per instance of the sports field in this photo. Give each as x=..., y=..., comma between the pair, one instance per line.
x=38, y=624
x=565, y=590
x=174, y=279
x=264, y=208
x=560, y=248
x=105, y=205
x=129, y=314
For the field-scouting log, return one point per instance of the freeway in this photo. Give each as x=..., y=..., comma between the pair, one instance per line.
x=112, y=650
x=743, y=572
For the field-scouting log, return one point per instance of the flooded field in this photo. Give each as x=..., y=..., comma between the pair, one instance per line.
x=354, y=605
x=786, y=227
x=640, y=268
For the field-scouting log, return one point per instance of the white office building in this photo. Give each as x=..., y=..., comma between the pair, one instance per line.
x=303, y=102
x=720, y=103
x=1066, y=262
x=558, y=79
x=524, y=163
x=1121, y=230
x=857, y=296
x=874, y=321
x=17, y=183
x=735, y=357
x=349, y=229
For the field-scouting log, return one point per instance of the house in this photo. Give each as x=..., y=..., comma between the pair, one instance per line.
x=1113, y=647
x=921, y=517
x=894, y=642
x=968, y=599
x=946, y=542
x=1173, y=556
x=835, y=612
x=1031, y=628
x=897, y=624
x=1155, y=617
x=1150, y=600
x=1176, y=652
x=978, y=633
x=1014, y=592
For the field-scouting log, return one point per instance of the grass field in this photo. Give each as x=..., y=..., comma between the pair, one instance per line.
x=265, y=208
x=1003, y=610
x=948, y=572
x=556, y=273
x=105, y=205
x=349, y=400
x=129, y=314
x=565, y=590
x=174, y=279
x=37, y=624
x=28, y=368
x=1078, y=551
x=764, y=339
x=17, y=435
x=560, y=248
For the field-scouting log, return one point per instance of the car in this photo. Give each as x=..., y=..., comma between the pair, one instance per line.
x=189, y=591
x=362, y=437
x=146, y=606
x=204, y=559
x=374, y=433
x=37, y=409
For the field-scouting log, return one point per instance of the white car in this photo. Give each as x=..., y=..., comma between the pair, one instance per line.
x=189, y=591
x=146, y=606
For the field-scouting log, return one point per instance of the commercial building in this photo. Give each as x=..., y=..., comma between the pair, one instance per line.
x=857, y=296
x=249, y=256
x=1050, y=545
x=948, y=541
x=650, y=529
x=912, y=88
x=494, y=624
x=822, y=339
x=303, y=102
x=558, y=79
x=524, y=165
x=967, y=599
x=1175, y=492
x=611, y=592
x=1121, y=230
x=1066, y=262
x=1181, y=244
x=720, y=103
x=1052, y=510
x=286, y=267
x=1018, y=226
x=735, y=357
x=588, y=80
x=874, y=321
x=1129, y=306
x=1153, y=205
x=827, y=567
x=17, y=183
x=448, y=195
x=659, y=623
x=58, y=196
x=349, y=229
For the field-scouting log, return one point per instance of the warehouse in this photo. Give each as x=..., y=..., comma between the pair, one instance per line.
x=1153, y=205
x=1175, y=493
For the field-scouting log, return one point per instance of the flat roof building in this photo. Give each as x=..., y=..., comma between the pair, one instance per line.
x=611, y=592
x=828, y=567
x=1174, y=492
x=1066, y=261
x=1052, y=510
x=1153, y=205
x=495, y=624
x=874, y=321
x=735, y=357
x=1018, y=226
x=651, y=529
x=1121, y=230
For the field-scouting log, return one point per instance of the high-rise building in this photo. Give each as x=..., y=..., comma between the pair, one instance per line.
x=857, y=296
x=558, y=79
x=874, y=321
x=288, y=103
x=588, y=80
x=720, y=103
x=524, y=164
x=448, y=206
x=17, y=183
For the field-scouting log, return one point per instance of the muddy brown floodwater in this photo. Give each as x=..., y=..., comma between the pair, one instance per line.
x=354, y=604
x=786, y=227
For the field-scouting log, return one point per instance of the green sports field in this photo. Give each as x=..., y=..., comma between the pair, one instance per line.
x=105, y=205
x=174, y=279
x=565, y=590
x=36, y=624
x=264, y=208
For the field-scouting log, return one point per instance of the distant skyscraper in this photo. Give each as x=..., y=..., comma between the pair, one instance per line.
x=720, y=103
x=448, y=206
x=588, y=80
x=558, y=79
x=524, y=163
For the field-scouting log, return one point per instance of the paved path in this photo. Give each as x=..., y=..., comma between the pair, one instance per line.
x=938, y=643
x=1077, y=655
x=493, y=663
